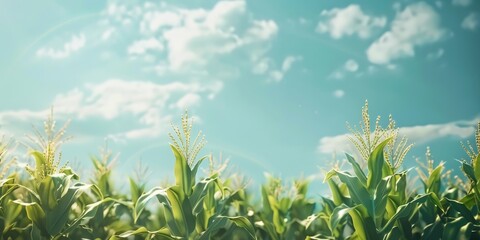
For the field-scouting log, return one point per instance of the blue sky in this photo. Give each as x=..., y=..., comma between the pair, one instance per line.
x=270, y=83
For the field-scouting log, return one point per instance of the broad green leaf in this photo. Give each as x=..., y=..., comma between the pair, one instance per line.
x=462, y=209
x=457, y=229
x=59, y=216
x=434, y=180
x=358, y=192
x=183, y=175
x=363, y=224
x=69, y=171
x=195, y=169
x=338, y=198
x=476, y=166
x=243, y=223
x=469, y=171
x=338, y=214
x=199, y=192
x=163, y=232
x=12, y=186
x=433, y=230
x=375, y=165
x=181, y=209
x=36, y=214
x=404, y=211
x=394, y=234
x=144, y=198
x=357, y=169
x=40, y=163
x=381, y=197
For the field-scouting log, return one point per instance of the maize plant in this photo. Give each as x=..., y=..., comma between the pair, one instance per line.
x=283, y=214
x=192, y=210
x=374, y=198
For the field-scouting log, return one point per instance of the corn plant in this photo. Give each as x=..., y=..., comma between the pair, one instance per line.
x=192, y=210
x=50, y=202
x=284, y=210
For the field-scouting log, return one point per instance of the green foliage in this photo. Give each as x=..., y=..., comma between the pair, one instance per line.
x=372, y=199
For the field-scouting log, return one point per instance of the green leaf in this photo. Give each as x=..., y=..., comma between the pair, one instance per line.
x=183, y=175
x=476, y=166
x=182, y=210
x=404, y=210
x=338, y=214
x=434, y=180
x=144, y=198
x=381, y=197
x=12, y=186
x=59, y=216
x=375, y=165
x=462, y=209
x=457, y=229
x=363, y=224
x=195, y=169
x=469, y=171
x=243, y=223
x=358, y=192
x=434, y=230
x=163, y=232
x=338, y=198
x=357, y=169
x=36, y=214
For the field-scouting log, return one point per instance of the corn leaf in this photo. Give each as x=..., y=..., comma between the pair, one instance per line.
x=375, y=165
x=357, y=169
x=183, y=175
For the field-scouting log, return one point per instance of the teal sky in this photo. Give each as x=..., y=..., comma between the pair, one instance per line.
x=270, y=83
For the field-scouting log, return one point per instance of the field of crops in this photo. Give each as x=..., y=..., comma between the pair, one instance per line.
x=371, y=197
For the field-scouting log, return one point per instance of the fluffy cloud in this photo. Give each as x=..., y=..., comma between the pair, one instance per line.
x=209, y=35
x=415, y=134
x=151, y=103
x=470, y=22
x=351, y=65
x=462, y=3
x=266, y=66
x=220, y=42
x=349, y=21
x=339, y=93
x=142, y=46
x=73, y=45
x=418, y=24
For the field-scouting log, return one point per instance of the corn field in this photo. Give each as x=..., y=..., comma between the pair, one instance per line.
x=371, y=198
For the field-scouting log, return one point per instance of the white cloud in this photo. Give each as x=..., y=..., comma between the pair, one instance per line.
x=221, y=42
x=207, y=35
x=107, y=34
x=73, y=45
x=153, y=21
x=349, y=21
x=436, y=54
x=142, y=46
x=462, y=3
x=288, y=62
x=339, y=93
x=351, y=65
x=112, y=99
x=189, y=100
x=266, y=66
x=418, y=24
x=416, y=134
x=470, y=22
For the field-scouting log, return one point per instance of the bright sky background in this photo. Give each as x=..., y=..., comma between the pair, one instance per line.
x=270, y=83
